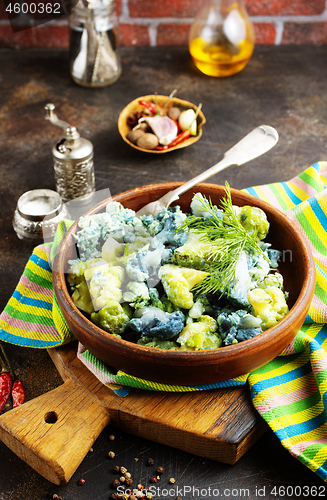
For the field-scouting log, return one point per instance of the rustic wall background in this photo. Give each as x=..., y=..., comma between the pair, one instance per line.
x=167, y=22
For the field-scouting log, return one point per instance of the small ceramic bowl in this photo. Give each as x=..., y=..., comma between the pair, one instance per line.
x=208, y=366
x=134, y=106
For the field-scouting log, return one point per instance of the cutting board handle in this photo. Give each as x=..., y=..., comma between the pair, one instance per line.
x=53, y=432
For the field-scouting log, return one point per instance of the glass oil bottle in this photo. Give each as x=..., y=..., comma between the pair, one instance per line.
x=221, y=38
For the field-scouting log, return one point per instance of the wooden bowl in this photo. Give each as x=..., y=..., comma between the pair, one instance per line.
x=134, y=106
x=197, y=367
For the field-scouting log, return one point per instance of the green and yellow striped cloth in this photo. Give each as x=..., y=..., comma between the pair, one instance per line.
x=290, y=392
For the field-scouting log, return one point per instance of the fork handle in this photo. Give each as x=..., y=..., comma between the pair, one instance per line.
x=257, y=142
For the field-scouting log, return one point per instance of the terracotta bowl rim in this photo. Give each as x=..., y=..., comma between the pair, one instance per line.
x=272, y=333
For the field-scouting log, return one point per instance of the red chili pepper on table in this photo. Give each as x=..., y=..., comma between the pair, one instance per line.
x=180, y=138
x=6, y=377
x=5, y=387
x=17, y=394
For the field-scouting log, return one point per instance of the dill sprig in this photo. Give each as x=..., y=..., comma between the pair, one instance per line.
x=225, y=238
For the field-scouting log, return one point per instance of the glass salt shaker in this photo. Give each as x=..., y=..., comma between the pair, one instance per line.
x=221, y=38
x=94, y=43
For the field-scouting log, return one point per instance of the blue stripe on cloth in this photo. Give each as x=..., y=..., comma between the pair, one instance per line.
x=218, y=385
x=314, y=344
x=320, y=337
x=302, y=427
x=318, y=211
x=32, y=302
x=295, y=199
x=308, y=320
x=319, y=268
x=322, y=471
x=298, y=372
x=316, y=166
x=251, y=191
x=44, y=264
x=27, y=342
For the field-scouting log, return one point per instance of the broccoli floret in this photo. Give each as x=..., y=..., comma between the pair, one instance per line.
x=226, y=322
x=152, y=224
x=269, y=305
x=81, y=297
x=201, y=334
x=230, y=338
x=77, y=268
x=275, y=279
x=245, y=334
x=237, y=326
x=160, y=344
x=254, y=221
x=162, y=303
x=193, y=253
x=177, y=283
x=154, y=322
x=113, y=318
x=137, y=294
x=104, y=282
x=201, y=306
x=171, y=219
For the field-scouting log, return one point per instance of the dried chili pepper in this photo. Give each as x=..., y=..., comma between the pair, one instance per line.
x=5, y=387
x=17, y=394
x=7, y=376
x=180, y=138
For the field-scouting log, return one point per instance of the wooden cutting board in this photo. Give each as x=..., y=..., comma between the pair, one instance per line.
x=54, y=432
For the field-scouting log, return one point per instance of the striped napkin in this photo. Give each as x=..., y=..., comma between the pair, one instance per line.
x=290, y=392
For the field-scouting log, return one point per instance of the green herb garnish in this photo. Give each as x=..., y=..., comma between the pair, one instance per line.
x=226, y=239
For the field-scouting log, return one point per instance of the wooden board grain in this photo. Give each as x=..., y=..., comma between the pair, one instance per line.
x=53, y=432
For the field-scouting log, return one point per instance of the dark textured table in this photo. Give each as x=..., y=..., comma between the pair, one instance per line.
x=282, y=86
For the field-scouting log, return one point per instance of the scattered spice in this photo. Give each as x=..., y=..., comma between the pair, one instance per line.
x=140, y=487
x=149, y=495
x=136, y=459
x=172, y=480
x=116, y=468
x=91, y=450
x=115, y=483
x=132, y=497
x=127, y=475
x=125, y=496
x=123, y=470
x=111, y=437
x=160, y=470
x=114, y=496
x=122, y=479
x=111, y=454
x=129, y=482
x=153, y=479
x=150, y=461
x=178, y=498
x=81, y=482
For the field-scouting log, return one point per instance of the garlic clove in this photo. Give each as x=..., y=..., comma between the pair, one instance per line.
x=163, y=127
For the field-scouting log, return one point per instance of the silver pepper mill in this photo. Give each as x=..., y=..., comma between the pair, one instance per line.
x=72, y=161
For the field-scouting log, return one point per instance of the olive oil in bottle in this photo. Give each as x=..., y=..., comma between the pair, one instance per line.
x=221, y=39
